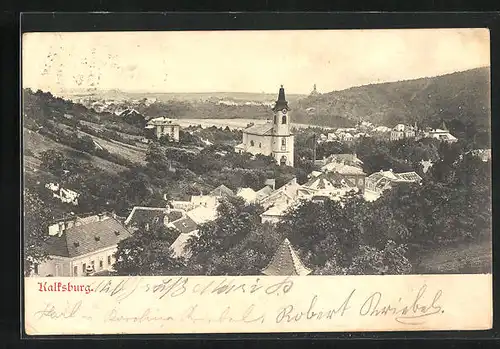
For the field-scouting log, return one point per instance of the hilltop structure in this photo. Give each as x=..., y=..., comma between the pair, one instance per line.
x=314, y=92
x=272, y=138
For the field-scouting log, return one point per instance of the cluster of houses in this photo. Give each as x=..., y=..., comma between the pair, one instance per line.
x=81, y=246
x=398, y=132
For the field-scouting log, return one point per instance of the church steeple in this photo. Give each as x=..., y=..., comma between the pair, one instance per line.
x=281, y=103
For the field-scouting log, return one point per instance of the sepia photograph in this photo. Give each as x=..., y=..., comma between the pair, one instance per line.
x=286, y=153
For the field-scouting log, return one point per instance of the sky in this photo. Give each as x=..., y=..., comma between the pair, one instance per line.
x=246, y=61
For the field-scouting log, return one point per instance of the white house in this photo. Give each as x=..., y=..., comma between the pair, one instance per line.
x=77, y=245
x=164, y=126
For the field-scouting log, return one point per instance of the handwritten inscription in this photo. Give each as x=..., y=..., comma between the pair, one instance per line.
x=212, y=301
x=413, y=313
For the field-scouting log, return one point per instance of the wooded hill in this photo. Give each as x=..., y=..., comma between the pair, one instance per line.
x=458, y=98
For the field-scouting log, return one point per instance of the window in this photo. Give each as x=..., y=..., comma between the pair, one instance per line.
x=283, y=144
x=75, y=270
x=252, y=143
x=275, y=118
x=283, y=119
x=101, y=264
x=260, y=145
x=93, y=263
x=35, y=268
x=84, y=267
x=109, y=260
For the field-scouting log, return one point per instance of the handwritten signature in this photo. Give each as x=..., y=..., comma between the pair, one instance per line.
x=227, y=315
x=408, y=314
x=70, y=311
x=290, y=314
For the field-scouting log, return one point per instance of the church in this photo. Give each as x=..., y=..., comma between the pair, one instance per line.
x=272, y=138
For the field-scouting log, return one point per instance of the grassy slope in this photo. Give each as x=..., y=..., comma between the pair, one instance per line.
x=463, y=258
x=37, y=143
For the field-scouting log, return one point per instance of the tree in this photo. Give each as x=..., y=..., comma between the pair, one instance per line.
x=147, y=252
x=219, y=248
x=36, y=221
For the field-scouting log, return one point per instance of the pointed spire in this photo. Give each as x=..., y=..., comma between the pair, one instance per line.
x=281, y=102
x=286, y=262
x=444, y=126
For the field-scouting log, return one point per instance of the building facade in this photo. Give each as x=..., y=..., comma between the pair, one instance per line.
x=401, y=131
x=272, y=138
x=77, y=246
x=164, y=127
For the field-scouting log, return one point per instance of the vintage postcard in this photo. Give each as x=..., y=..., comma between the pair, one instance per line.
x=256, y=181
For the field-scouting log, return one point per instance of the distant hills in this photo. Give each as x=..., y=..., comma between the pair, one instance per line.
x=167, y=96
x=462, y=97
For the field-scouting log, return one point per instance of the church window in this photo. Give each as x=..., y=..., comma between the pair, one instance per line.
x=283, y=141
x=275, y=118
x=252, y=143
x=283, y=119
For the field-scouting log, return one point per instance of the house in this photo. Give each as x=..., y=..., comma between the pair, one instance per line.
x=483, y=154
x=274, y=213
x=285, y=194
x=184, y=225
x=378, y=182
x=65, y=195
x=286, y=262
x=221, y=191
x=179, y=246
x=164, y=126
x=327, y=186
x=77, y=245
x=348, y=159
x=401, y=131
x=272, y=138
x=203, y=214
x=331, y=137
x=442, y=135
x=248, y=194
x=146, y=216
x=354, y=176
x=264, y=192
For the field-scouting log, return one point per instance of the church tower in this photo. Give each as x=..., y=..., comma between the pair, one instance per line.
x=282, y=142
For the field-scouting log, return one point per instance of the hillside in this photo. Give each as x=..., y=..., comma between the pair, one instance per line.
x=106, y=141
x=459, y=97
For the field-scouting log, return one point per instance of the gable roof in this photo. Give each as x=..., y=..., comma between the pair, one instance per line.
x=87, y=238
x=348, y=158
x=319, y=182
x=202, y=214
x=264, y=192
x=142, y=215
x=260, y=129
x=342, y=168
x=185, y=225
x=285, y=262
x=247, y=193
x=221, y=190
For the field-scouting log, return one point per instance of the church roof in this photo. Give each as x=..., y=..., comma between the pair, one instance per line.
x=262, y=129
x=281, y=102
x=286, y=262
